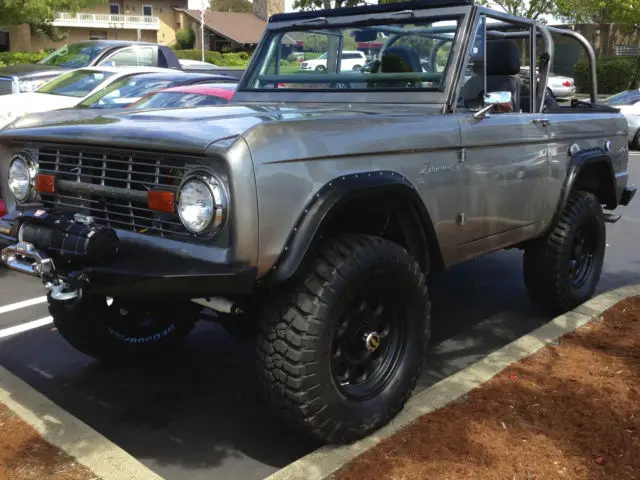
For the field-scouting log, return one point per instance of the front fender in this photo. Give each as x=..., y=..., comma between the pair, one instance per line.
x=327, y=202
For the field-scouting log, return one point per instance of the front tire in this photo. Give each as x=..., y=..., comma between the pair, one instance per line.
x=116, y=332
x=341, y=353
x=562, y=269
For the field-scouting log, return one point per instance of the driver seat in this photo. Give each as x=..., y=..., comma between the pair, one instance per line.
x=396, y=59
x=503, y=66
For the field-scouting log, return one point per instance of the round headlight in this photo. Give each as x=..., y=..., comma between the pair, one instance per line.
x=202, y=204
x=21, y=177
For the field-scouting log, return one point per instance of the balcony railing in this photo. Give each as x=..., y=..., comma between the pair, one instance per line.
x=100, y=20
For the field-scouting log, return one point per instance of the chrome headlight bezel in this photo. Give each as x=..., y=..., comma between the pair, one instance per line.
x=219, y=195
x=32, y=170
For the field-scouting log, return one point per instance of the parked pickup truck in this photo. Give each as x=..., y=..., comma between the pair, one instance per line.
x=113, y=53
x=316, y=205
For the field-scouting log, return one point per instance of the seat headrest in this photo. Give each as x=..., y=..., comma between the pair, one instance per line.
x=503, y=58
x=400, y=58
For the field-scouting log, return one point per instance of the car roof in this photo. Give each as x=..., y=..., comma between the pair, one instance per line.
x=125, y=70
x=112, y=43
x=221, y=90
x=166, y=74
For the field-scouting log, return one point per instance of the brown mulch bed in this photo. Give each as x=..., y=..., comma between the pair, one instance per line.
x=571, y=410
x=24, y=455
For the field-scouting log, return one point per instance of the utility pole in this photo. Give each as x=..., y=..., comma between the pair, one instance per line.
x=202, y=8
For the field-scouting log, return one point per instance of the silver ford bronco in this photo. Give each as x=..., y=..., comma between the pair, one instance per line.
x=317, y=204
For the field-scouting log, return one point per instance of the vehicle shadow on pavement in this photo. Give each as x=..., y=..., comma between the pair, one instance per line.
x=198, y=414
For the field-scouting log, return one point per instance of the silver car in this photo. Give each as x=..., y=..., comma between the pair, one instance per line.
x=558, y=86
x=628, y=102
x=313, y=209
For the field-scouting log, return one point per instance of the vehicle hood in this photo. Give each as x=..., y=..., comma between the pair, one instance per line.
x=181, y=129
x=35, y=70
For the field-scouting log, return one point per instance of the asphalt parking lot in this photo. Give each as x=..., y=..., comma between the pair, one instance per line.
x=199, y=415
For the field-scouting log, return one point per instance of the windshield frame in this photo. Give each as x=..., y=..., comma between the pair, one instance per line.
x=463, y=15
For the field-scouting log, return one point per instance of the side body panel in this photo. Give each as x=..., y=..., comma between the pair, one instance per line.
x=293, y=160
x=504, y=174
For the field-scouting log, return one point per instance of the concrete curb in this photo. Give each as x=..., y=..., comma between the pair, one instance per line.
x=58, y=427
x=322, y=463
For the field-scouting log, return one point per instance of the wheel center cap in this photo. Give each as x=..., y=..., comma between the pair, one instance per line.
x=372, y=341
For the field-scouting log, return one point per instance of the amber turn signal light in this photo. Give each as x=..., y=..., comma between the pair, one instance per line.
x=45, y=183
x=161, y=201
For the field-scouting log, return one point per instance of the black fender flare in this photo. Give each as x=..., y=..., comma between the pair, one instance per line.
x=336, y=193
x=577, y=164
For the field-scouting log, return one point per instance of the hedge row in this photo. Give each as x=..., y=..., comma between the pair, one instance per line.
x=614, y=74
x=239, y=59
x=14, y=58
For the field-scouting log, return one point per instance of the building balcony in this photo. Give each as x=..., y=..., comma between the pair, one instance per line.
x=106, y=21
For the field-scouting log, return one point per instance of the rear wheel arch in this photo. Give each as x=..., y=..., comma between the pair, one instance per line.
x=590, y=171
x=382, y=203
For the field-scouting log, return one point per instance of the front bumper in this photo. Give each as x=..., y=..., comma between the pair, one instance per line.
x=129, y=271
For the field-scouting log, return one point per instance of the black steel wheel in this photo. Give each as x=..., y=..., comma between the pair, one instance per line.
x=369, y=342
x=562, y=269
x=111, y=330
x=340, y=352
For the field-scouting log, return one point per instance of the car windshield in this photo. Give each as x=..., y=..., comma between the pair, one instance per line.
x=76, y=55
x=398, y=56
x=126, y=91
x=624, y=98
x=177, y=99
x=78, y=83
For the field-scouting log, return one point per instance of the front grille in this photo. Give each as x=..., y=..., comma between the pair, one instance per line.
x=6, y=86
x=112, y=186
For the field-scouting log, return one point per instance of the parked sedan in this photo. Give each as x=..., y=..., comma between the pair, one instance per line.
x=558, y=86
x=628, y=102
x=129, y=90
x=65, y=91
x=189, y=96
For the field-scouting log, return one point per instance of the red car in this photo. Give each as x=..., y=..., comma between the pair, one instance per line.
x=187, y=96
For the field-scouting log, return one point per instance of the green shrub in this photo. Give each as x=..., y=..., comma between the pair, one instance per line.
x=185, y=38
x=16, y=58
x=238, y=59
x=614, y=74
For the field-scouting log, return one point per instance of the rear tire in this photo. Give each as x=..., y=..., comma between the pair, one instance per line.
x=340, y=354
x=635, y=143
x=113, y=333
x=562, y=269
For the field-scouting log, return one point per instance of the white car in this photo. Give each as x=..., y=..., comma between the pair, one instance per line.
x=188, y=64
x=628, y=102
x=557, y=85
x=351, y=60
x=65, y=91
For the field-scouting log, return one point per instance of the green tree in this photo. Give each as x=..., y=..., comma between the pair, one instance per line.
x=529, y=9
x=307, y=5
x=231, y=6
x=38, y=13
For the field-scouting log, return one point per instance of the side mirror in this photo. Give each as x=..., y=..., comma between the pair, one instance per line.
x=495, y=101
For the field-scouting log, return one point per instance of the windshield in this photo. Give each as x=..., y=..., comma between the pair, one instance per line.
x=78, y=83
x=126, y=91
x=177, y=99
x=398, y=56
x=624, y=98
x=77, y=55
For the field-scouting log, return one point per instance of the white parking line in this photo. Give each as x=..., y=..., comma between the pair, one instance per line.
x=24, y=304
x=25, y=326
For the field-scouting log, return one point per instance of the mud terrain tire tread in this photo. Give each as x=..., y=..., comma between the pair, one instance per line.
x=545, y=261
x=290, y=338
